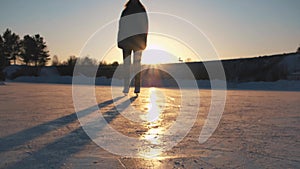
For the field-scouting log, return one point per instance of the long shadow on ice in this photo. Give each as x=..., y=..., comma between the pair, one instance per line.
x=17, y=139
x=54, y=154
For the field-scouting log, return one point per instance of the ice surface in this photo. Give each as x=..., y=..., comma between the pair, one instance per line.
x=40, y=129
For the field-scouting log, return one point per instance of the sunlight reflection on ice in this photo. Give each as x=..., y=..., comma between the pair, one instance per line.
x=152, y=136
x=155, y=107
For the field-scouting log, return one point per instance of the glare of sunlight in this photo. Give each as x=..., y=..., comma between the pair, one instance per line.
x=160, y=49
x=155, y=106
x=153, y=135
x=155, y=148
x=158, y=56
x=155, y=47
x=152, y=154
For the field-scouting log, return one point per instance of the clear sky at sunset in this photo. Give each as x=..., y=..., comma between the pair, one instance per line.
x=237, y=28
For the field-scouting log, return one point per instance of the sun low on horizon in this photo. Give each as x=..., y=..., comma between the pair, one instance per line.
x=161, y=49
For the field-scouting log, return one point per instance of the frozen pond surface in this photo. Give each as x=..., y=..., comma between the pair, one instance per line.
x=40, y=129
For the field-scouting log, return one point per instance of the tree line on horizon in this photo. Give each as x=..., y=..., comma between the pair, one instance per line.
x=29, y=50
x=82, y=61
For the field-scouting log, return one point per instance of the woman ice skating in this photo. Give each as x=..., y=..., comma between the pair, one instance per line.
x=132, y=38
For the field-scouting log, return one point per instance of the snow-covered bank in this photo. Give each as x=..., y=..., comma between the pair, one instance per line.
x=59, y=80
x=282, y=85
x=50, y=75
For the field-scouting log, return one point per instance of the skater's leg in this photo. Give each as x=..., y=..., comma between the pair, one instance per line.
x=126, y=70
x=137, y=70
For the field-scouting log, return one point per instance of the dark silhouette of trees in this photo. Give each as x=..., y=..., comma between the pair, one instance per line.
x=42, y=54
x=2, y=57
x=115, y=63
x=11, y=46
x=28, y=51
x=2, y=60
x=103, y=63
x=84, y=61
x=34, y=50
x=71, y=61
x=87, y=61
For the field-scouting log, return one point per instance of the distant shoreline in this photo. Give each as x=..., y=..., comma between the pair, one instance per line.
x=269, y=73
x=283, y=85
